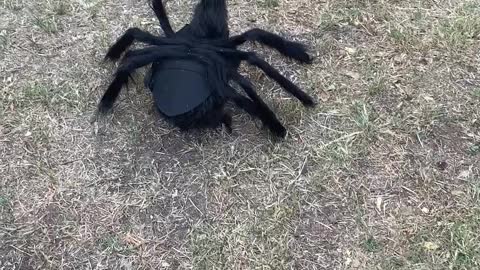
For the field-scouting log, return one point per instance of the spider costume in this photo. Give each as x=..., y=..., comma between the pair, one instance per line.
x=192, y=68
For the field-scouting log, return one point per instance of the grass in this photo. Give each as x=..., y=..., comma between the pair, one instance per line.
x=463, y=28
x=454, y=245
x=476, y=92
x=371, y=245
x=270, y=3
x=378, y=86
x=3, y=201
x=47, y=24
x=382, y=174
x=474, y=149
x=12, y=4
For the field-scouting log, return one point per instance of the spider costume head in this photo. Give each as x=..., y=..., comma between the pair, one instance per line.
x=191, y=70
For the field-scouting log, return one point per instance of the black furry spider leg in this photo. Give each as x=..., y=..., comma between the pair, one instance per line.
x=123, y=73
x=271, y=72
x=146, y=51
x=288, y=48
x=227, y=121
x=161, y=13
x=262, y=111
x=210, y=19
x=254, y=110
x=128, y=38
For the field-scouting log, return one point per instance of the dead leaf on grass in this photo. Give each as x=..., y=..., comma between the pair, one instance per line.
x=431, y=246
x=352, y=74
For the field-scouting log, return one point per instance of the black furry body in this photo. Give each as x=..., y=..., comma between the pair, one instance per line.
x=192, y=68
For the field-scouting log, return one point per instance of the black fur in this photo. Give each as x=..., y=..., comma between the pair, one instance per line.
x=206, y=40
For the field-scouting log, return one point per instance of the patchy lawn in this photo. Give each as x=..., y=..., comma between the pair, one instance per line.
x=383, y=174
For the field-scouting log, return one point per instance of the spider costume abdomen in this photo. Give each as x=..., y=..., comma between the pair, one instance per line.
x=184, y=96
x=178, y=86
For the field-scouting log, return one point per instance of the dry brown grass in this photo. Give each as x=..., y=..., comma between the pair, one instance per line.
x=384, y=174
